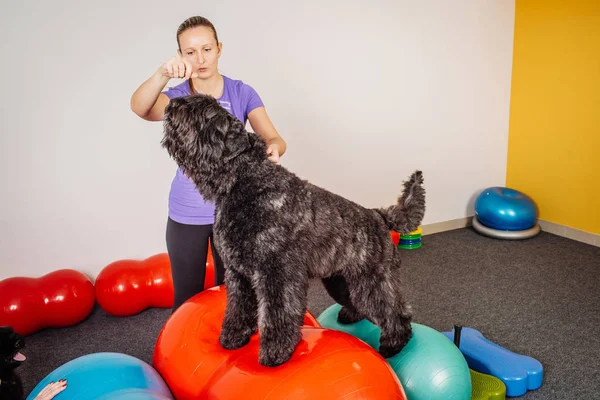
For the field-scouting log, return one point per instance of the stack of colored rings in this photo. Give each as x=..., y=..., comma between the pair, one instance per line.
x=412, y=240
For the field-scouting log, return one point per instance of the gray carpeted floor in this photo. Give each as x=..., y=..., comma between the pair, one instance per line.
x=539, y=297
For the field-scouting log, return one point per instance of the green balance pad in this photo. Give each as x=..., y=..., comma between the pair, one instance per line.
x=486, y=387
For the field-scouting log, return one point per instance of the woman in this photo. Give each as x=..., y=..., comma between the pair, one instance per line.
x=190, y=222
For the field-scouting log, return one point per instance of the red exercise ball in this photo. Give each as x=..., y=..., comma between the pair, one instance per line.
x=56, y=300
x=128, y=287
x=327, y=364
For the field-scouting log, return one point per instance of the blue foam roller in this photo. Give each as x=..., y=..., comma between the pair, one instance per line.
x=519, y=373
x=107, y=376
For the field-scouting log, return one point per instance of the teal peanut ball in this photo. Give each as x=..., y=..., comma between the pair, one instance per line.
x=429, y=367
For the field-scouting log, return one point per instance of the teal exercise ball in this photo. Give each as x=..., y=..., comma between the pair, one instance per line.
x=429, y=367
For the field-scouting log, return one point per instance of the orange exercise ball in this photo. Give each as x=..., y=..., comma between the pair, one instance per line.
x=326, y=364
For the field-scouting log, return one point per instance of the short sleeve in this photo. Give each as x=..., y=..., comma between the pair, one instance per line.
x=174, y=92
x=181, y=90
x=252, y=99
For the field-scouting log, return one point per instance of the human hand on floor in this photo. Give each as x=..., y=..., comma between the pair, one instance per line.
x=51, y=390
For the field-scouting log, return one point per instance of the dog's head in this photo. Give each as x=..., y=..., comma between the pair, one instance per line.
x=202, y=136
x=11, y=343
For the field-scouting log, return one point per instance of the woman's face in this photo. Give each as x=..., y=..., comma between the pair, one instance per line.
x=199, y=47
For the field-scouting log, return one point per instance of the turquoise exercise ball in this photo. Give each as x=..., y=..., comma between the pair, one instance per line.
x=505, y=209
x=103, y=376
x=430, y=367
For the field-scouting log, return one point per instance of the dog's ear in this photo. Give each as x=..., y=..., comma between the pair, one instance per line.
x=236, y=143
x=236, y=139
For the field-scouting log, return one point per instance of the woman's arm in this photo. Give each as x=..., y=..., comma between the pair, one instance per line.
x=261, y=124
x=147, y=101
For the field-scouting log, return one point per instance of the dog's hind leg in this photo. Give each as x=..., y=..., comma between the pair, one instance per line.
x=282, y=299
x=337, y=288
x=240, y=321
x=382, y=304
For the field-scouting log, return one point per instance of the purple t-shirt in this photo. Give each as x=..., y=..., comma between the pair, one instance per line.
x=186, y=205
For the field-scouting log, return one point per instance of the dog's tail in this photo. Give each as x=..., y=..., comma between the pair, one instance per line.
x=406, y=216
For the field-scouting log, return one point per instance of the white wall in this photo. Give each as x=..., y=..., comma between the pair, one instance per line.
x=363, y=94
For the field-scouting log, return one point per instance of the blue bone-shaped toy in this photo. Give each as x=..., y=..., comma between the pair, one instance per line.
x=518, y=372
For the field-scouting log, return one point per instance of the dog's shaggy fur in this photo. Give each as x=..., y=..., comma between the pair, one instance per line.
x=275, y=231
x=10, y=345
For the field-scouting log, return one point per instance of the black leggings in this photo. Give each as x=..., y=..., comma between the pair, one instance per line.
x=187, y=246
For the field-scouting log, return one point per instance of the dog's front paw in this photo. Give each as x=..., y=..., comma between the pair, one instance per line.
x=273, y=356
x=389, y=347
x=232, y=339
x=347, y=316
x=389, y=351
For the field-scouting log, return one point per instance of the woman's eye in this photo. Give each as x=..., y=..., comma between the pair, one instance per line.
x=207, y=50
x=189, y=53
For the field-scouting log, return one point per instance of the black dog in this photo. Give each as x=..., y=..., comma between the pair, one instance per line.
x=11, y=344
x=275, y=231
x=11, y=387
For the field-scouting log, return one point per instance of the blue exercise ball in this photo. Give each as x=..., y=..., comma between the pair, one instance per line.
x=107, y=376
x=505, y=209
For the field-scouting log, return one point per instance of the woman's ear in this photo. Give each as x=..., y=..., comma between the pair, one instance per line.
x=220, y=47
